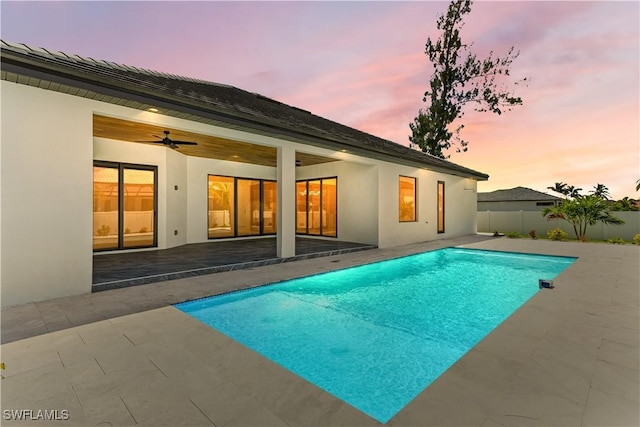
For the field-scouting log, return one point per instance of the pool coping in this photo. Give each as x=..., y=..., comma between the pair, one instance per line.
x=568, y=356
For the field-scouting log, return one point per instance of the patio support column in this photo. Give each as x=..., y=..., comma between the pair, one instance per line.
x=286, y=235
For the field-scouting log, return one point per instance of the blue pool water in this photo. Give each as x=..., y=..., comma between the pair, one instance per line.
x=375, y=336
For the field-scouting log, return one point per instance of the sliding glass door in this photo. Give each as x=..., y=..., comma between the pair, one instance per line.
x=248, y=207
x=316, y=207
x=221, y=206
x=124, y=206
x=240, y=207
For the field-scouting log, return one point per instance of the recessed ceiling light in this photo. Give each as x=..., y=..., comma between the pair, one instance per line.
x=153, y=110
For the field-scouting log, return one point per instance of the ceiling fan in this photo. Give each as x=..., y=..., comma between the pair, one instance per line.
x=169, y=142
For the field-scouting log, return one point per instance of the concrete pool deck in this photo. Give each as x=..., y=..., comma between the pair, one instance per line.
x=569, y=356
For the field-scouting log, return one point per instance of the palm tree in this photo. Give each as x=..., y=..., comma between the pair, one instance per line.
x=559, y=187
x=567, y=190
x=638, y=185
x=624, y=204
x=601, y=191
x=582, y=212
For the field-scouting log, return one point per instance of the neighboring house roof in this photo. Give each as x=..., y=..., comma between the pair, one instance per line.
x=517, y=194
x=202, y=101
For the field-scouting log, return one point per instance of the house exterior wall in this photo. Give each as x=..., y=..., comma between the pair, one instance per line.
x=47, y=153
x=176, y=199
x=460, y=202
x=46, y=178
x=357, y=198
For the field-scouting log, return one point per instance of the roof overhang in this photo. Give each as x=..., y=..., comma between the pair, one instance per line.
x=47, y=74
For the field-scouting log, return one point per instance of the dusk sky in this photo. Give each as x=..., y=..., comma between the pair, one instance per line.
x=363, y=64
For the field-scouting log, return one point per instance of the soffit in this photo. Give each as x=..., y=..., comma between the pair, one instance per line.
x=210, y=147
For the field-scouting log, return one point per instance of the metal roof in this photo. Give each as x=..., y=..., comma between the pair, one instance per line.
x=202, y=101
x=517, y=194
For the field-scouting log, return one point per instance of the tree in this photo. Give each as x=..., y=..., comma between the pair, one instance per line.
x=582, y=210
x=565, y=189
x=459, y=78
x=624, y=204
x=601, y=191
x=638, y=185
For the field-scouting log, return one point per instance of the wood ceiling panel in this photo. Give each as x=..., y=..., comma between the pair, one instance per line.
x=208, y=146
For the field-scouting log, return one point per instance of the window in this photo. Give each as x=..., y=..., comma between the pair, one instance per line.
x=269, y=207
x=440, y=206
x=124, y=206
x=544, y=203
x=221, y=206
x=407, y=199
x=241, y=207
x=316, y=207
x=248, y=207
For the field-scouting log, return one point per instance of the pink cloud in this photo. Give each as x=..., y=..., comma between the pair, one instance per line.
x=363, y=64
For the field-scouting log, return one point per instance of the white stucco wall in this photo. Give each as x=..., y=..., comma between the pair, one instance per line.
x=357, y=198
x=46, y=178
x=176, y=194
x=460, y=202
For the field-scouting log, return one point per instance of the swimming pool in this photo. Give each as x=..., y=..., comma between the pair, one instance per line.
x=375, y=336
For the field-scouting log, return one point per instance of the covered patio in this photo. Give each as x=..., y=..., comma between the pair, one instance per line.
x=121, y=270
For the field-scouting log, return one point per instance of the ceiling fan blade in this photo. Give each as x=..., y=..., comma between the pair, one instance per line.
x=152, y=142
x=184, y=142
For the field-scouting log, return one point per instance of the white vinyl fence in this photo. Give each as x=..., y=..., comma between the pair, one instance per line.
x=525, y=221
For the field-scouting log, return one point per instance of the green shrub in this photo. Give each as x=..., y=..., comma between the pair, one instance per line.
x=616, y=241
x=557, y=234
x=636, y=239
x=513, y=235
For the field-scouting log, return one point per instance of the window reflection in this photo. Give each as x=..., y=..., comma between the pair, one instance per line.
x=124, y=206
x=440, y=207
x=138, y=207
x=248, y=207
x=241, y=207
x=221, y=206
x=329, y=207
x=270, y=207
x=301, y=207
x=407, y=199
x=105, y=208
x=316, y=207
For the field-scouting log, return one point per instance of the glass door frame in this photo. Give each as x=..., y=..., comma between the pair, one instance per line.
x=121, y=194
x=306, y=183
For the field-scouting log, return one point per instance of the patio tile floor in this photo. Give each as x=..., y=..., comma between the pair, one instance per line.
x=570, y=356
x=119, y=270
